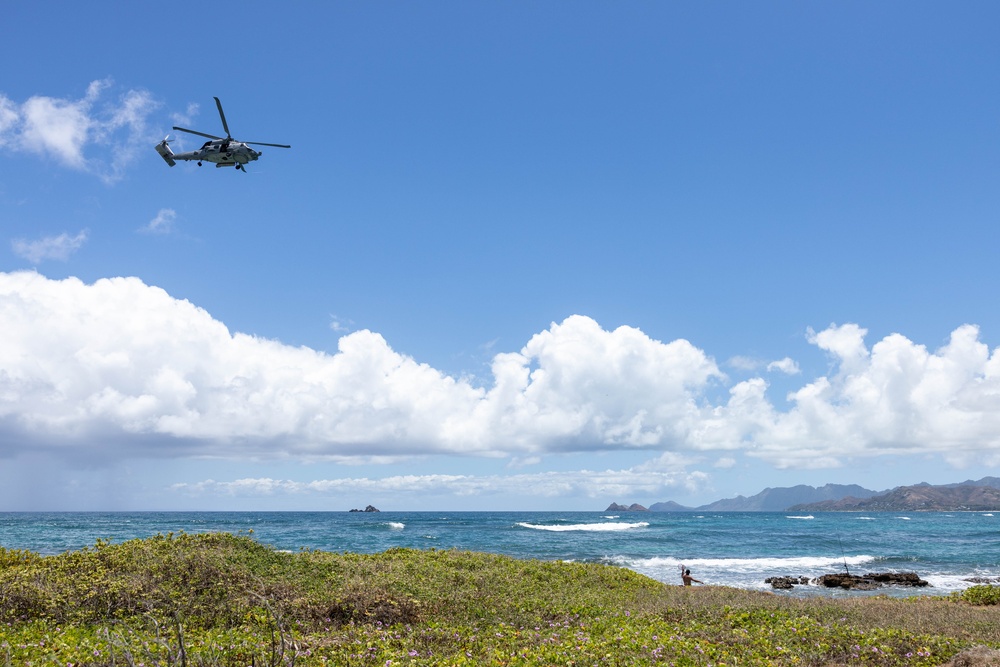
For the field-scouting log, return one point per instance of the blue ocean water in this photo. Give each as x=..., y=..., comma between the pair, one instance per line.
x=737, y=549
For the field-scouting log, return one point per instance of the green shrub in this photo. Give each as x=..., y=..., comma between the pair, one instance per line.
x=981, y=595
x=216, y=600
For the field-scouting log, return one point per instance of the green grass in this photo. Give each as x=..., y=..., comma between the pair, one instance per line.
x=226, y=600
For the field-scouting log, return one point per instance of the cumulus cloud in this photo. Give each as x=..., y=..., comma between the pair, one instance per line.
x=49, y=247
x=121, y=368
x=64, y=128
x=897, y=397
x=120, y=358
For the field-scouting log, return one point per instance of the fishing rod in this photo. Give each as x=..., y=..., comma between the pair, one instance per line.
x=844, y=554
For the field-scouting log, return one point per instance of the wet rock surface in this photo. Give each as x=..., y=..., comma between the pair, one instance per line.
x=865, y=582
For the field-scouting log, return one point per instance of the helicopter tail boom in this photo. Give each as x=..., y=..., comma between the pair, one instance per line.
x=164, y=150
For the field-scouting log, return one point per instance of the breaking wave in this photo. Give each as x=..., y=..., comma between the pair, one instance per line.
x=599, y=527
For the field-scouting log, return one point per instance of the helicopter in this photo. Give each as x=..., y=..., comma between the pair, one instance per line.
x=223, y=151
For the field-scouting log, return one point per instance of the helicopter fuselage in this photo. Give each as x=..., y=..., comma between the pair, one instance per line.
x=224, y=153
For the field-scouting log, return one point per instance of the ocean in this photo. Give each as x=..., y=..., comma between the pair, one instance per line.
x=739, y=549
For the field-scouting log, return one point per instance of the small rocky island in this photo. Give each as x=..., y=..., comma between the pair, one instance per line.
x=634, y=507
x=370, y=508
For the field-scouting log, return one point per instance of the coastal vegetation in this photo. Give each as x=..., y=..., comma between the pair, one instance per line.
x=226, y=600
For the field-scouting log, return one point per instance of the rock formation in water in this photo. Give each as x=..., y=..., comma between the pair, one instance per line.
x=370, y=508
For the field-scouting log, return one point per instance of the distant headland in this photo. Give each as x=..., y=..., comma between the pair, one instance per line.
x=969, y=496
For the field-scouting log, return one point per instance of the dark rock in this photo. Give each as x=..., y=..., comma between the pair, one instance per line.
x=871, y=580
x=847, y=581
x=983, y=580
x=370, y=508
x=897, y=579
x=786, y=583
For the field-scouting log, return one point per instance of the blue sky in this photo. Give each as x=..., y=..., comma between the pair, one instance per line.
x=519, y=256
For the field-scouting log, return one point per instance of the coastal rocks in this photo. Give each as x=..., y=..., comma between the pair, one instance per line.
x=370, y=508
x=786, y=583
x=871, y=581
x=853, y=582
x=983, y=580
x=634, y=507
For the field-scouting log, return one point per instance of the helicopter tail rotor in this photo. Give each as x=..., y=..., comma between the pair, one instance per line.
x=164, y=150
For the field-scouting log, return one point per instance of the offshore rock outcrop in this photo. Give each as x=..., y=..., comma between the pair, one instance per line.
x=370, y=508
x=634, y=507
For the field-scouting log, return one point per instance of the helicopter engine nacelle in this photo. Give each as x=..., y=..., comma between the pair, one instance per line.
x=164, y=150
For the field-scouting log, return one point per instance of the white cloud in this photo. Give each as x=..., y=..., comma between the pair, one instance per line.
x=526, y=462
x=786, y=366
x=896, y=398
x=49, y=247
x=631, y=482
x=65, y=128
x=163, y=223
x=121, y=368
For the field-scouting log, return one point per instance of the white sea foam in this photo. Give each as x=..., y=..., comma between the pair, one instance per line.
x=866, y=518
x=613, y=516
x=904, y=518
x=396, y=525
x=987, y=514
x=950, y=582
x=748, y=573
x=808, y=516
x=793, y=565
x=599, y=527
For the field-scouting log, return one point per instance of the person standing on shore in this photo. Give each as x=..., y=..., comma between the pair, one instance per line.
x=687, y=578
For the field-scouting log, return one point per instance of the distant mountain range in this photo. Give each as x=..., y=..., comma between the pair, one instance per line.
x=981, y=495
x=969, y=496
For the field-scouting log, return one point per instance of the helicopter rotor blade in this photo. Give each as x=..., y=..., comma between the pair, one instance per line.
x=200, y=134
x=261, y=143
x=225, y=125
